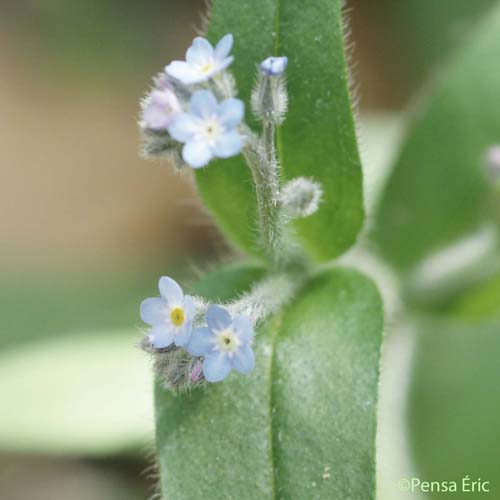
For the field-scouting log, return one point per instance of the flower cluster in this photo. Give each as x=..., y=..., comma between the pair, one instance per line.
x=193, y=116
x=187, y=107
x=225, y=343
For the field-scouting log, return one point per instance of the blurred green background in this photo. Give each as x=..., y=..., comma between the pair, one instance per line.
x=87, y=227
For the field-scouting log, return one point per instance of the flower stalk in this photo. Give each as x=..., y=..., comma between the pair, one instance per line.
x=260, y=155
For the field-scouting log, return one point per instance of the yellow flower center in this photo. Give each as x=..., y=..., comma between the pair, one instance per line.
x=177, y=316
x=206, y=68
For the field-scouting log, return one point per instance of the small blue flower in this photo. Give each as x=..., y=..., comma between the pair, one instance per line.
x=274, y=66
x=225, y=344
x=209, y=129
x=202, y=61
x=170, y=315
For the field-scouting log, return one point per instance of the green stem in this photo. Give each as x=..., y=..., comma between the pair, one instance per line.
x=261, y=158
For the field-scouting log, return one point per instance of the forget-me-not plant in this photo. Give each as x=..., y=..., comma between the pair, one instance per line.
x=192, y=116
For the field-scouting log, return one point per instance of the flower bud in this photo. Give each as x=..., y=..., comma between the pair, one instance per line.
x=300, y=197
x=269, y=97
x=197, y=373
x=273, y=66
x=174, y=368
x=158, y=109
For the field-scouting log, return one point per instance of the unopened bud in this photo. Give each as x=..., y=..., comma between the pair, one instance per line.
x=269, y=97
x=174, y=368
x=158, y=109
x=273, y=66
x=300, y=197
x=197, y=372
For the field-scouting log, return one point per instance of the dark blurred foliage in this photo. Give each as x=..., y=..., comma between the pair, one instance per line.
x=398, y=45
x=118, y=42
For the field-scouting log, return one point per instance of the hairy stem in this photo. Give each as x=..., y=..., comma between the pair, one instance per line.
x=264, y=299
x=261, y=158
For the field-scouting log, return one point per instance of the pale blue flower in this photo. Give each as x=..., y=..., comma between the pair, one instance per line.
x=274, y=66
x=225, y=344
x=202, y=61
x=209, y=129
x=159, y=108
x=170, y=315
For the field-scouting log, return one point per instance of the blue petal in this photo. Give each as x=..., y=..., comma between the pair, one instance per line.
x=183, y=127
x=161, y=336
x=171, y=291
x=218, y=318
x=201, y=342
x=243, y=328
x=189, y=308
x=153, y=311
x=184, y=72
x=197, y=153
x=244, y=360
x=203, y=104
x=183, y=334
x=225, y=63
x=224, y=46
x=216, y=367
x=231, y=112
x=200, y=51
x=228, y=144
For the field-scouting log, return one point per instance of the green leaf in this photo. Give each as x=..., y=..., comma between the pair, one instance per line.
x=302, y=425
x=454, y=403
x=438, y=192
x=41, y=303
x=317, y=139
x=480, y=302
x=453, y=399
x=227, y=282
x=79, y=394
x=380, y=134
